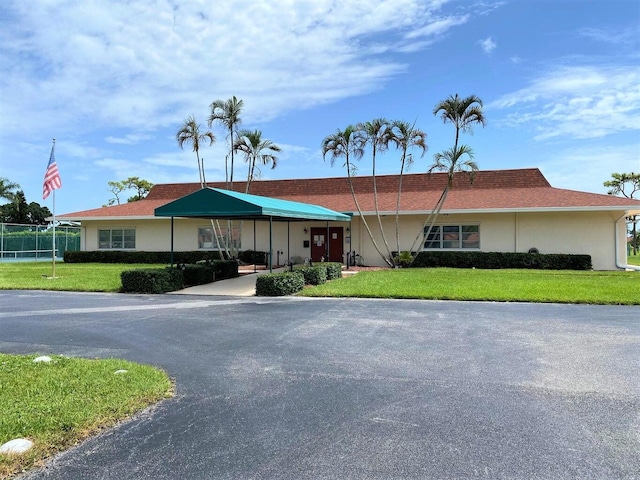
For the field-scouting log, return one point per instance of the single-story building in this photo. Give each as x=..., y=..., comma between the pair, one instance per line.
x=501, y=211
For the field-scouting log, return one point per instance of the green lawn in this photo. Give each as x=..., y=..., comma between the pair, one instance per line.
x=633, y=259
x=492, y=285
x=57, y=404
x=80, y=277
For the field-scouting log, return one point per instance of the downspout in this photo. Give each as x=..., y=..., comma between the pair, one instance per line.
x=625, y=266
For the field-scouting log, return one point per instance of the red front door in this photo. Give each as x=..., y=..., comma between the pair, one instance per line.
x=328, y=247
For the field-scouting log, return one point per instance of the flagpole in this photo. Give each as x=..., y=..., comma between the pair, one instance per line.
x=51, y=183
x=53, y=243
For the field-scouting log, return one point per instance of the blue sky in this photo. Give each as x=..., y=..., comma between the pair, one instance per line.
x=114, y=81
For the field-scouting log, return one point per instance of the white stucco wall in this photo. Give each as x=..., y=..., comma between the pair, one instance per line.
x=591, y=233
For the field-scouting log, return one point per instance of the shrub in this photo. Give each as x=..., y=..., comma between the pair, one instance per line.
x=118, y=256
x=151, y=280
x=334, y=270
x=225, y=268
x=404, y=259
x=197, y=274
x=316, y=275
x=253, y=257
x=279, y=284
x=208, y=271
x=492, y=260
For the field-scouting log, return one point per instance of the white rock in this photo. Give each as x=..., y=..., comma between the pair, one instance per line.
x=43, y=358
x=119, y=372
x=16, y=446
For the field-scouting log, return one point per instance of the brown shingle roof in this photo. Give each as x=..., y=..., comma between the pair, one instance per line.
x=522, y=189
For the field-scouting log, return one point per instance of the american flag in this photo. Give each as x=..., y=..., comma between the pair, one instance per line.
x=51, y=177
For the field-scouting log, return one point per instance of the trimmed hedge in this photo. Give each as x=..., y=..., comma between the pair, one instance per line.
x=208, y=272
x=316, y=275
x=279, y=284
x=151, y=280
x=494, y=260
x=253, y=257
x=117, y=256
x=334, y=270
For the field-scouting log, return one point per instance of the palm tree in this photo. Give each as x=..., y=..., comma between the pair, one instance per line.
x=376, y=133
x=349, y=143
x=450, y=161
x=405, y=136
x=190, y=133
x=227, y=113
x=255, y=149
x=7, y=189
x=462, y=112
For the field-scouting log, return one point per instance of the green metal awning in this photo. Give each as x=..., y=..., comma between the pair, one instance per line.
x=218, y=203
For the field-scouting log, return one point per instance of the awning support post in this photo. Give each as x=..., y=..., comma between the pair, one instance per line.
x=171, y=255
x=270, y=244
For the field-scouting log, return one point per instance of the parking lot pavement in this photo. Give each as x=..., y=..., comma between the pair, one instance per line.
x=293, y=388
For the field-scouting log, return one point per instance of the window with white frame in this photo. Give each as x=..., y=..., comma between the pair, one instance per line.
x=452, y=237
x=117, y=238
x=207, y=237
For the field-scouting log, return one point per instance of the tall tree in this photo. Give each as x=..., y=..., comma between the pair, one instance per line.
x=376, y=133
x=452, y=162
x=139, y=185
x=17, y=210
x=405, y=136
x=8, y=189
x=463, y=113
x=189, y=133
x=255, y=150
x=227, y=113
x=627, y=185
x=349, y=143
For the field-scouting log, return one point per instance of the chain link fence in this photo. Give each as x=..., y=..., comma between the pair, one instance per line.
x=35, y=242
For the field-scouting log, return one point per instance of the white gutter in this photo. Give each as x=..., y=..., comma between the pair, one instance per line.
x=625, y=266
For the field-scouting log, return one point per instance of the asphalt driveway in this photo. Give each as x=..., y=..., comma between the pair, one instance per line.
x=341, y=389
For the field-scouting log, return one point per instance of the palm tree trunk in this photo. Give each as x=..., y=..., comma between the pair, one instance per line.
x=431, y=219
x=364, y=221
x=398, y=203
x=375, y=203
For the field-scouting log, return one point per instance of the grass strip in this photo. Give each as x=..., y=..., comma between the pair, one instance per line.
x=59, y=403
x=77, y=277
x=546, y=286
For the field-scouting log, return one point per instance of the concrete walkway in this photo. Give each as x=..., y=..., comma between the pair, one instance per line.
x=242, y=286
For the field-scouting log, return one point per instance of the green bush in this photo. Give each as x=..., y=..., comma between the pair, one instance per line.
x=279, y=284
x=253, y=257
x=316, y=275
x=119, y=256
x=208, y=271
x=151, y=280
x=493, y=260
x=334, y=270
x=197, y=274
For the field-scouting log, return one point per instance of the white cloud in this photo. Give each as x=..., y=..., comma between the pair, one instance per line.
x=488, y=45
x=146, y=65
x=576, y=102
x=588, y=167
x=129, y=139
